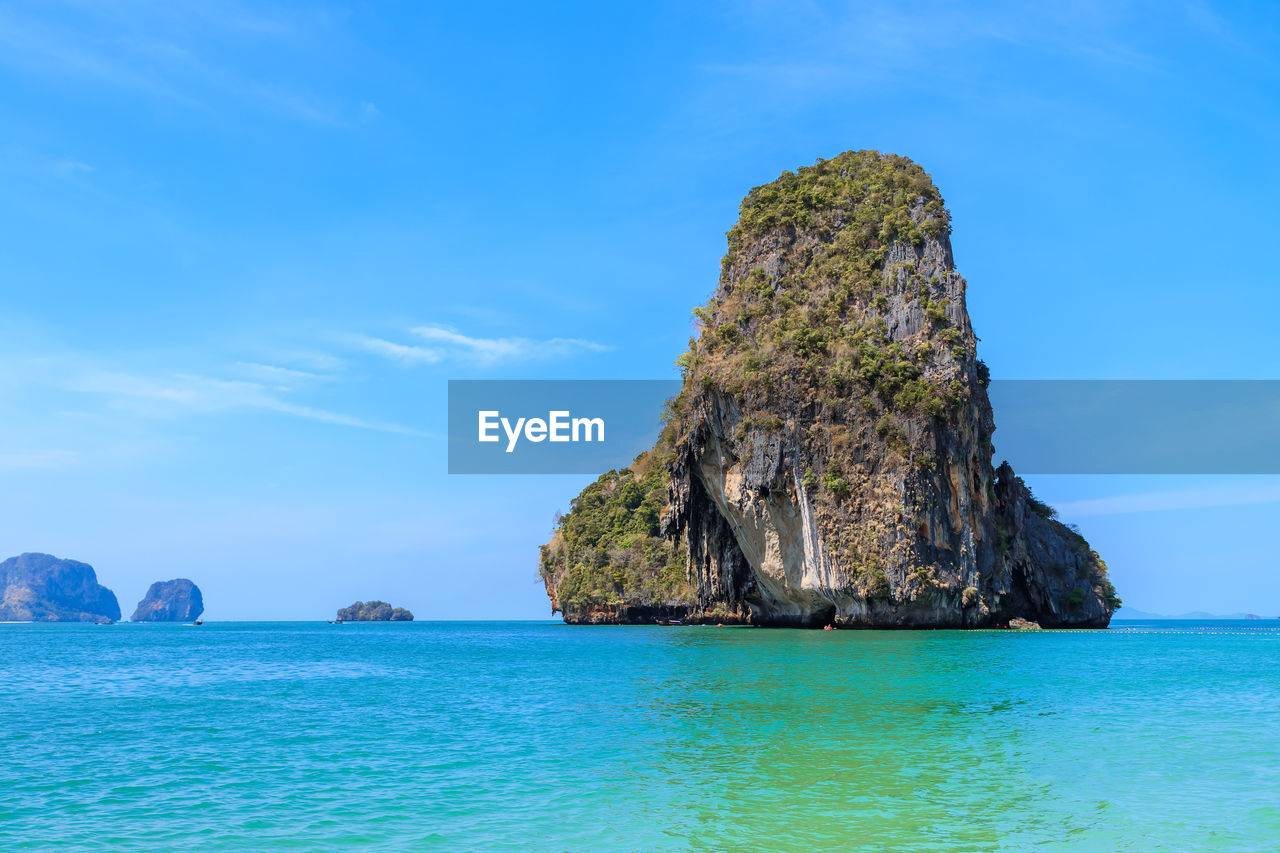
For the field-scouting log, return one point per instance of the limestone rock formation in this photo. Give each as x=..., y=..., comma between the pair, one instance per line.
x=43, y=588
x=828, y=460
x=374, y=611
x=178, y=600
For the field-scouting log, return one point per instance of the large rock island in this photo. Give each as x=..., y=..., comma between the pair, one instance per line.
x=44, y=588
x=374, y=611
x=828, y=460
x=178, y=600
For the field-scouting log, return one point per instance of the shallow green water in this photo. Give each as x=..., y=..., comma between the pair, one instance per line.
x=541, y=736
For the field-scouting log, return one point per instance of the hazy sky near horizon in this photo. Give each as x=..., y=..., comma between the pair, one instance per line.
x=243, y=247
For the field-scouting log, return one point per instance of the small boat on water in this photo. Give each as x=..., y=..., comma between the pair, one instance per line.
x=198, y=622
x=105, y=623
x=674, y=622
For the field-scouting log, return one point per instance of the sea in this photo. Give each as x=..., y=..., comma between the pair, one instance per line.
x=541, y=736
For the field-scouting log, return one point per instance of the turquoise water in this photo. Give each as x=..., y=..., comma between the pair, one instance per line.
x=457, y=736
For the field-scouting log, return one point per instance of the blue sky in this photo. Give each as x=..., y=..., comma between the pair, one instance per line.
x=243, y=247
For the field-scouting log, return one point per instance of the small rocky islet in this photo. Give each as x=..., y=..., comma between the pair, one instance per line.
x=178, y=600
x=373, y=611
x=828, y=461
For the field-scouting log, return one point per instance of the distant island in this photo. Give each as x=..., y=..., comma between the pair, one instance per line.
x=374, y=611
x=178, y=600
x=44, y=588
x=1130, y=614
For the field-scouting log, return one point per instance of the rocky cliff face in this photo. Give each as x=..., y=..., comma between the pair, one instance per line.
x=177, y=600
x=828, y=460
x=43, y=588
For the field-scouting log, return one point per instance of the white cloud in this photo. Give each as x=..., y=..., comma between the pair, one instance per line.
x=187, y=53
x=71, y=168
x=493, y=350
x=74, y=408
x=206, y=394
x=327, y=417
x=274, y=373
x=134, y=387
x=306, y=360
x=399, y=352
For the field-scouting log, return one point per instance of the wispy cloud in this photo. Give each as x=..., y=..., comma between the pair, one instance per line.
x=158, y=394
x=181, y=392
x=37, y=458
x=163, y=51
x=493, y=350
x=441, y=343
x=71, y=168
x=818, y=51
x=275, y=373
x=404, y=353
x=31, y=47
x=304, y=360
x=338, y=419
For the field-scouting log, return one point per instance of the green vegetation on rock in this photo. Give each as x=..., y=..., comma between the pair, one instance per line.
x=814, y=309
x=870, y=188
x=608, y=550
